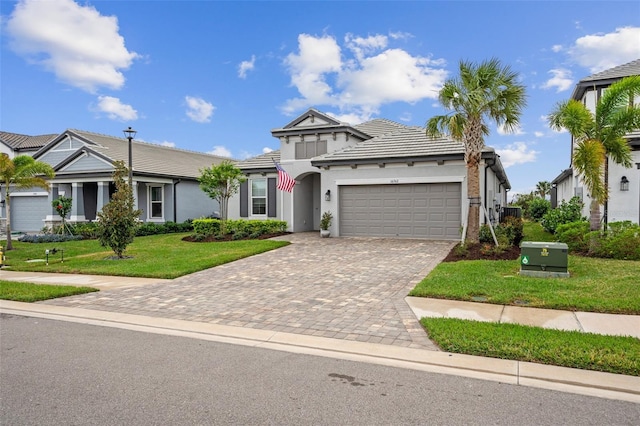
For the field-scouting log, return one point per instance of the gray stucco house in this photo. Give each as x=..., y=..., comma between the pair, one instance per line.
x=379, y=178
x=624, y=184
x=164, y=179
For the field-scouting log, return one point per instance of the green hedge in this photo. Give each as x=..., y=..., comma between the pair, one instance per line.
x=239, y=227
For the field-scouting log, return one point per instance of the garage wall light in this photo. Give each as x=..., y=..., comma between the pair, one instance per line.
x=624, y=184
x=327, y=195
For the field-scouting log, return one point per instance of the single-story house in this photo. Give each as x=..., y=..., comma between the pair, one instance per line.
x=164, y=179
x=379, y=178
x=624, y=183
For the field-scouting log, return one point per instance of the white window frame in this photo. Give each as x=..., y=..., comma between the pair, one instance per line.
x=255, y=197
x=150, y=202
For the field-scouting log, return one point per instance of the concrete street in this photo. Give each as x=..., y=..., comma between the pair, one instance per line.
x=57, y=372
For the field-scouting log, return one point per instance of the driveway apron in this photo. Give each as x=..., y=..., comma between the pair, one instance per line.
x=342, y=288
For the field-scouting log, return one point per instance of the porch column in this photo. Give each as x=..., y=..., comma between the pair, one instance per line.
x=53, y=195
x=134, y=189
x=77, y=203
x=103, y=196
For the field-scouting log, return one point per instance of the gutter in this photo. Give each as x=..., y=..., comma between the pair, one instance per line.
x=175, y=202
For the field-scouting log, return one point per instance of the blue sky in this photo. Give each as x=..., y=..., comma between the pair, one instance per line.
x=218, y=76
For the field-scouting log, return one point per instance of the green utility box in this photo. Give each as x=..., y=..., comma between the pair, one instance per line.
x=541, y=259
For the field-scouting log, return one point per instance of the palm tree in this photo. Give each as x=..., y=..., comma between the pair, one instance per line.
x=22, y=172
x=600, y=136
x=543, y=188
x=485, y=91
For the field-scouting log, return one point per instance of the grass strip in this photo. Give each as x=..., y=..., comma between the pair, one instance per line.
x=29, y=292
x=611, y=354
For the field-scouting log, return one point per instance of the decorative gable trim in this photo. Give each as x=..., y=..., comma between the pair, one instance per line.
x=312, y=118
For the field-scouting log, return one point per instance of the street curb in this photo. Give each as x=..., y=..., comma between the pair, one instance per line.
x=585, y=382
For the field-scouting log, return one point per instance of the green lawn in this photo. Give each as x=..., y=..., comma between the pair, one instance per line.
x=156, y=256
x=613, y=354
x=595, y=285
x=28, y=292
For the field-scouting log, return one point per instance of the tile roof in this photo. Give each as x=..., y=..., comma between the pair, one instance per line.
x=151, y=158
x=21, y=142
x=379, y=126
x=264, y=161
x=405, y=142
x=621, y=71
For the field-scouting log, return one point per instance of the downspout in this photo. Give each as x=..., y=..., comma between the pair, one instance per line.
x=175, y=201
x=487, y=166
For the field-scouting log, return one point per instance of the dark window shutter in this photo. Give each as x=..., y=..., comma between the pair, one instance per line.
x=244, y=199
x=271, y=200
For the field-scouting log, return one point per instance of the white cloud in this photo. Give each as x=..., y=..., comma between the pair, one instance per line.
x=266, y=150
x=361, y=78
x=516, y=153
x=400, y=35
x=602, y=51
x=198, y=109
x=561, y=79
x=80, y=46
x=538, y=134
x=167, y=144
x=220, y=151
x=115, y=109
x=406, y=117
x=516, y=131
x=246, y=66
x=556, y=48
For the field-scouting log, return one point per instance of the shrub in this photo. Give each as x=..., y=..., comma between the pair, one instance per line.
x=206, y=226
x=538, y=207
x=566, y=212
x=508, y=233
x=88, y=230
x=621, y=241
x=574, y=235
x=48, y=238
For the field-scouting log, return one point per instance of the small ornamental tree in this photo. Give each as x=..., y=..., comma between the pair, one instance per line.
x=117, y=221
x=62, y=206
x=220, y=183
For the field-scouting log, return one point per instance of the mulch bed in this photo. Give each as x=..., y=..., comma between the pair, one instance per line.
x=482, y=252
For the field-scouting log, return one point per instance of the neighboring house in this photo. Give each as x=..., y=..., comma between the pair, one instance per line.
x=14, y=144
x=624, y=184
x=379, y=178
x=164, y=179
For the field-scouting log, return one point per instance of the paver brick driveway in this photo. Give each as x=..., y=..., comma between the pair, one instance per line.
x=344, y=288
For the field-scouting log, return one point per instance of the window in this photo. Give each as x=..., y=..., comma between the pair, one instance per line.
x=155, y=202
x=310, y=149
x=258, y=196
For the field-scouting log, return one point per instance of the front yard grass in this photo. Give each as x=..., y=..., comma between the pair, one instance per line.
x=612, y=354
x=595, y=285
x=28, y=292
x=155, y=256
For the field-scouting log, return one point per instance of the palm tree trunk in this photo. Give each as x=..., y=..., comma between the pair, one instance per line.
x=473, y=153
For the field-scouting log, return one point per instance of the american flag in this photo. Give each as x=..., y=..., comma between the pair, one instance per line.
x=285, y=182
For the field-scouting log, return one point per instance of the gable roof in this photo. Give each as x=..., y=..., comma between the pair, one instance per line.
x=148, y=159
x=19, y=142
x=606, y=78
x=313, y=122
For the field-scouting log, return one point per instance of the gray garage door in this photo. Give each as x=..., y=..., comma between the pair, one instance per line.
x=27, y=213
x=413, y=211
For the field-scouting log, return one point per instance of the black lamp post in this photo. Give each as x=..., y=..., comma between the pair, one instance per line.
x=130, y=134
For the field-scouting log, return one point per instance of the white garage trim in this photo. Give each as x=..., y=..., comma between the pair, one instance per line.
x=401, y=180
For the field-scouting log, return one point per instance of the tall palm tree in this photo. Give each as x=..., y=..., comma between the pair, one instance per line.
x=22, y=172
x=600, y=136
x=482, y=92
x=543, y=188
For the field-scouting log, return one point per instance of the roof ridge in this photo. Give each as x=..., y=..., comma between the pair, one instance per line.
x=155, y=145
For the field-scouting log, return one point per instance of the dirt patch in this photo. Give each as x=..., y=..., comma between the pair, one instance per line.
x=229, y=237
x=481, y=252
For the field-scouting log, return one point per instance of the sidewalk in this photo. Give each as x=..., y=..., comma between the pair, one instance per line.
x=588, y=322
